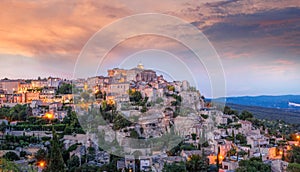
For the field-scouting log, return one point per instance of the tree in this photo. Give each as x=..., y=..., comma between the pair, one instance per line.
x=293, y=155
x=56, y=162
x=194, y=136
x=8, y=166
x=242, y=138
x=293, y=167
x=231, y=152
x=11, y=156
x=180, y=167
x=197, y=163
x=3, y=127
x=23, y=153
x=245, y=115
x=134, y=134
x=120, y=122
x=41, y=155
x=73, y=162
x=229, y=111
x=65, y=89
x=253, y=165
x=218, y=159
x=135, y=96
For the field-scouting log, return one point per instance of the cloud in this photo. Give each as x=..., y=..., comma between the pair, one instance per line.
x=262, y=35
x=34, y=28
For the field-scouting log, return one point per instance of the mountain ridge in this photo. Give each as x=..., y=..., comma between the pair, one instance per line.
x=268, y=101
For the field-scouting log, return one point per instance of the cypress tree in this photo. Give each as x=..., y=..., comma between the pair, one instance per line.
x=56, y=162
x=218, y=159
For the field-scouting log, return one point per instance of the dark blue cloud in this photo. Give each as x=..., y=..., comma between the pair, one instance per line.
x=268, y=23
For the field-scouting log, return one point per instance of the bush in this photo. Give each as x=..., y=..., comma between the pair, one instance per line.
x=72, y=148
x=11, y=156
x=293, y=167
x=204, y=116
x=23, y=154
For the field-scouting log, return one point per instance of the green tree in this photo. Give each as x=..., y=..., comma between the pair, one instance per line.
x=293, y=167
x=245, y=115
x=134, y=134
x=11, y=156
x=56, y=162
x=218, y=159
x=197, y=163
x=41, y=155
x=179, y=167
x=231, y=152
x=73, y=162
x=8, y=165
x=23, y=153
x=3, y=127
x=253, y=165
x=65, y=88
x=242, y=138
x=229, y=111
x=194, y=136
x=293, y=155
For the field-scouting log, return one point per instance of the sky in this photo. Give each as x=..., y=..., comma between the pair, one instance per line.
x=257, y=41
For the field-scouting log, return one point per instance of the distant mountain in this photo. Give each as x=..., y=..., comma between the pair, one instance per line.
x=288, y=115
x=291, y=102
x=286, y=107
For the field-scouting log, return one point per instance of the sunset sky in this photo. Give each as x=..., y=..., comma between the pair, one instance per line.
x=258, y=41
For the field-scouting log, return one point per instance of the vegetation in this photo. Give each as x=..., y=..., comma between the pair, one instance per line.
x=11, y=156
x=179, y=167
x=16, y=113
x=120, y=122
x=204, y=116
x=56, y=162
x=253, y=165
x=272, y=114
x=197, y=163
x=245, y=115
x=228, y=111
x=293, y=167
x=41, y=155
x=65, y=88
x=294, y=155
x=7, y=165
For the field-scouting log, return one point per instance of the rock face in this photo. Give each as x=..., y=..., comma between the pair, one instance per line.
x=192, y=99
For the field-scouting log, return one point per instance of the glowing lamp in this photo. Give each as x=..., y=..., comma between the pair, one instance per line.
x=49, y=115
x=42, y=164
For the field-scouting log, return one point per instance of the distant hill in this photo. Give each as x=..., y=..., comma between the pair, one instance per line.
x=279, y=102
x=288, y=115
x=286, y=107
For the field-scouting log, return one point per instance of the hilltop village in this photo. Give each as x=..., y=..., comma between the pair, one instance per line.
x=133, y=120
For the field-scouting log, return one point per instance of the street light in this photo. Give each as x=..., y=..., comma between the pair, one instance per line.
x=41, y=164
x=49, y=116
